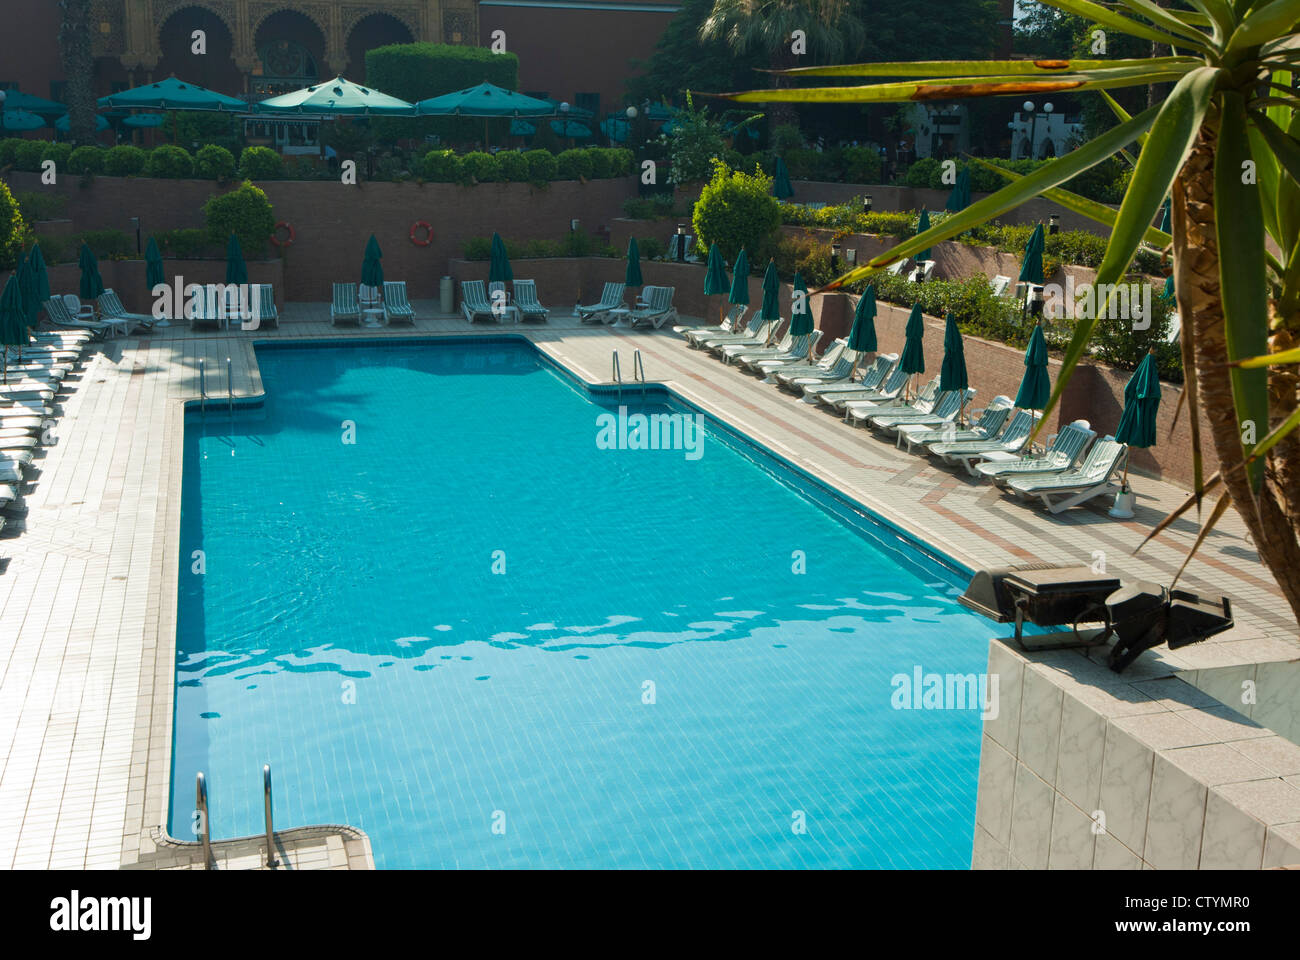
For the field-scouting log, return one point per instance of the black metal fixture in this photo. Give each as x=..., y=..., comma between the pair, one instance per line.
x=866, y=204
x=681, y=243
x=136, y=222
x=835, y=257
x=1054, y=223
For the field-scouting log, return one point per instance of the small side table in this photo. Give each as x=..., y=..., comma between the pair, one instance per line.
x=373, y=317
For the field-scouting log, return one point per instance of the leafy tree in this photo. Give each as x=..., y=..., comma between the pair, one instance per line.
x=12, y=229
x=246, y=212
x=1223, y=145
x=737, y=210
x=684, y=61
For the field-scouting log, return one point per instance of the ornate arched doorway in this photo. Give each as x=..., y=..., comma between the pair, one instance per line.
x=290, y=50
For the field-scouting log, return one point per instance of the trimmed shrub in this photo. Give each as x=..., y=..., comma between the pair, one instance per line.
x=87, y=160
x=214, y=163
x=59, y=153
x=125, y=161
x=41, y=205
x=442, y=166
x=107, y=244
x=27, y=155
x=9, y=149
x=12, y=229
x=260, y=163
x=859, y=165
x=736, y=210
x=186, y=244
x=513, y=166
x=480, y=166
x=246, y=212
x=170, y=162
x=574, y=164
x=542, y=166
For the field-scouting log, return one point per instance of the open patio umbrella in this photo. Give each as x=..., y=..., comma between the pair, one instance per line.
x=488, y=101
x=922, y=225
x=339, y=97
x=236, y=269
x=913, y=359
x=372, y=270
x=959, y=199
x=862, y=337
x=632, y=276
x=781, y=188
x=17, y=120
x=801, y=318
x=574, y=111
x=64, y=124
x=740, y=280
x=17, y=100
x=1137, y=424
x=154, y=274
x=770, y=311
x=571, y=128
x=92, y=284
x=952, y=373
x=172, y=94
x=12, y=331
x=616, y=127
x=143, y=121
x=522, y=128
x=499, y=270
x=715, y=279
x=1035, y=387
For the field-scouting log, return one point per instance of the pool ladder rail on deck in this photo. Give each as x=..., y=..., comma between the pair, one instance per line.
x=204, y=824
x=638, y=373
x=203, y=387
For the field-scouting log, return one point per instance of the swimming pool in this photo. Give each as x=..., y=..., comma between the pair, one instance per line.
x=415, y=583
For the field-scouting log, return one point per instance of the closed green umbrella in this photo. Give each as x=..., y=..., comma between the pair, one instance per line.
x=770, y=310
x=862, y=338
x=372, y=271
x=923, y=225
x=92, y=284
x=1137, y=424
x=12, y=331
x=715, y=279
x=632, y=277
x=27, y=287
x=1168, y=292
x=960, y=197
x=913, y=359
x=1035, y=387
x=740, y=280
x=154, y=275
x=1031, y=268
x=801, y=318
x=42, y=277
x=499, y=270
x=236, y=269
x=781, y=188
x=952, y=373
x=1165, y=226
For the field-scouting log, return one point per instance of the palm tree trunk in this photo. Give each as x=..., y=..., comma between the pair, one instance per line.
x=1270, y=515
x=78, y=69
x=779, y=114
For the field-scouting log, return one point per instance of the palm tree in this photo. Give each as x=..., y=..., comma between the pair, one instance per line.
x=832, y=29
x=78, y=69
x=1223, y=144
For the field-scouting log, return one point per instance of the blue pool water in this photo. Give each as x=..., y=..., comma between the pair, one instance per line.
x=352, y=626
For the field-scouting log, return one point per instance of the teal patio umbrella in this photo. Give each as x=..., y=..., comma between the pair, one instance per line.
x=632, y=277
x=92, y=284
x=236, y=269
x=522, y=128
x=715, y=279
x=154, y=274
x=770, y=311
x=1137, y=424
x=781, y=188
x=616, y=127
x=18, y=120
x=952, y=373
x=41, y=275
x=17, y=100
x=1035, y=388
x=913, y=359
x=1031, y=268
x=801, y=318
x=487, y=101
x=336, y=98
x=372, y=271
x=13, y=333
x=571, y=128
x=923, y=225
x=171, y=94
x=1168, y=292
x=959, y=199
x=499, y=265
x=862, y=337
x=740, y=280
x=143, y=121
x=64, y=124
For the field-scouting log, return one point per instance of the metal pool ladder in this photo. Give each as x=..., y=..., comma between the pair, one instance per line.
x=205, y=828
x=638, y=372
x=617, y=376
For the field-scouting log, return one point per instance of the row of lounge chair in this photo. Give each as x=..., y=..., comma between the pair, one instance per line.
x=492, y=301
x=34, y=377
x=347, y=306
x=1072, y=468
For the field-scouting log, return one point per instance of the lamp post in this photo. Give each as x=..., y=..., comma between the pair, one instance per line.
x=681, y=243
x=136, y=221
x=835, y=256
x=1033, y=125
x=1054, y=223
x=866, y=203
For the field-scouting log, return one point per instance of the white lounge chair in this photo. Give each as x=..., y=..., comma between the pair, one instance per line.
x=872, y=377
x=946, y=407
x=266, y=309
x=1009, y=443
x=57, y=312
x=759, y=333
x=922, y=272
x=343, y=304
x=397, y=308
x=499, y=298
x=1061, y=491
x=860, y=407
x=1000, y=285
x=659, y=308
x=897, y=268
x=835, y=363
x=611, y=298
x=798, y=352
x=526, y=301
x=989, y=425
x=730, y=323
x=1063, y=450
x=111, y=309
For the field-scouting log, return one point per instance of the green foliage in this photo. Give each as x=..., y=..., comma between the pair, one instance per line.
x=125, y=161
x=574, y=164
x=649, y=208
x=27, y=155
x=214, y=162
x=786, y=138
x=481, y=167
x=87, y=160
x=188, y=244
x=575, y=244
x=694, y=144
x=1116, y=342
x=682, y=61
x=736, y=210
x=169, y=162
x=59, y=153
x=542, y=166
x=513, y=166
x=348, y=138
x=417, y=71
x=442, y=166
x=849, y=218
x=652, y=248
x=12, y=229
x=195, y=127
x=41, y=205
x=807, y=255
x=9, y=150
x=260, y=163
x=107, y=244
x=246, y=212
x=602, y=163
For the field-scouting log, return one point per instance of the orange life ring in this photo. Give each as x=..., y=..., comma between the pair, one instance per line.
x=416, y=228
x=287, y=241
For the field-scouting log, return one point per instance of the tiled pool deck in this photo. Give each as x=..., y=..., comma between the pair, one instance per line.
x=89, y=566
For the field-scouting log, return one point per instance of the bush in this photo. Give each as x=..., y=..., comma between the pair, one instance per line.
x=736, y=210
x=481, y=167
x=260, y=163
x=574, y=165
x=807, y=255
x=859, y=165
x=442, y=166
x=245, y=212
x=542, y=166
x=9, y=149
x=1116, y=342
x=214, y=163
x=27, y=155
x=125, y=161
x=12, y=229
x=87, y=160
x=603, y=163
x=59, y=153
x=41, y=205
x=648, y=208
x=652, y=248
x=926, y=174
x=623, y=163
x=186, y=244
x=513, y=166
x=170, y=162
x=786, y=137
x=107, y=244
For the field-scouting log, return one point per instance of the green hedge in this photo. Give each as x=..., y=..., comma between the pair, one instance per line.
x=245, y=212
x=214, y=163
x=417, y=71
x=1105, y=183
x=87, y=160
x=41, y=205
x=574, y=244
x=125, y=161
x=533, y=166
x=260, y=163
x=169, y=162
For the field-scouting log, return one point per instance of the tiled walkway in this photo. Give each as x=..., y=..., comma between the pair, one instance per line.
x=89, y=559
